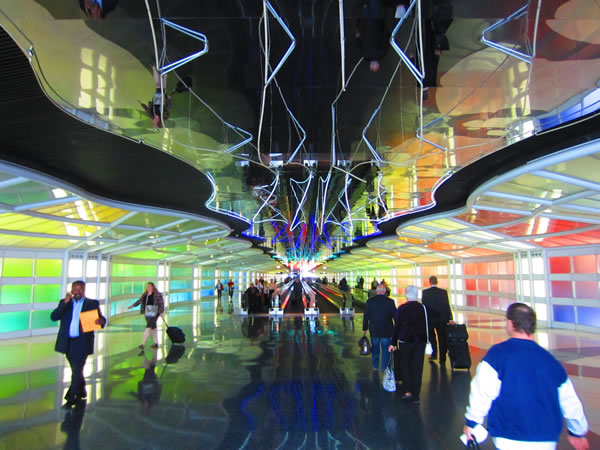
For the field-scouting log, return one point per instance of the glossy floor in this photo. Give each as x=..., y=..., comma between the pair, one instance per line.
x=251, y=382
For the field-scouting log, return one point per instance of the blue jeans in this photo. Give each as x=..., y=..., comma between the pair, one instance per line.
x=375, y=343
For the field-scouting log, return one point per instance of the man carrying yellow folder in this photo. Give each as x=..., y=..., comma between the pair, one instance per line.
x=78, y=316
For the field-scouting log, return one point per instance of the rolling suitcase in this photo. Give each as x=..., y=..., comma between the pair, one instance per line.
x=176, y=334
x=458, y=349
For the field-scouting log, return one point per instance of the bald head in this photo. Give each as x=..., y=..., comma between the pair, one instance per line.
x=381, y=289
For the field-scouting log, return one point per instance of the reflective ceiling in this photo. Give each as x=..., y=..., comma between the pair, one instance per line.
x=315, y=152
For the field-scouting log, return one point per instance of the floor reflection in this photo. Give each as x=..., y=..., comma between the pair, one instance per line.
x=252, y=382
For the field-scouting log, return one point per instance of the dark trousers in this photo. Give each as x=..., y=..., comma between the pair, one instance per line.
x=411, y=366
x=440, y=330
x=77, y=356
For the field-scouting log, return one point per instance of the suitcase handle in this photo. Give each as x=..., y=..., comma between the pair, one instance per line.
x=163, y=318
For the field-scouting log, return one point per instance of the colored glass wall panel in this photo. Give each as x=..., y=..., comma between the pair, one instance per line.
x=15, y=294
x=46, y=293
x=182, y=284
x=182, y=272
x=507, y=286
x=563, y=313
x=560, y=264
x=17, y=267
x=470, y=269
x=561, y=289
x=472, y=300
x=48, y=267
x=493, y=268
x=484, y=301
x=505, y=303
x=482, y=285
x=14, y=321
x=41, y=319
x=495, y=302
x=588, y=316
x=584, y=263
x=471, y=285
x=494, y=285
x=586, y=289
x=482, y=268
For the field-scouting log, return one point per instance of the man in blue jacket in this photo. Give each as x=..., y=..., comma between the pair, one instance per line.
x=525, y=392
x=72, y=340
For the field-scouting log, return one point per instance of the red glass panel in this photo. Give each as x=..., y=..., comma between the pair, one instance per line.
x=482, y=269
x=584, y=263
x=482, y=285
x=471, y=285
x=589, y=237
x=494, y=285
x=560, y=264
x=472, y=300
x=495, y=302
x=507, y=286
x=586, y=289
x=470, y=269
x=562, y=289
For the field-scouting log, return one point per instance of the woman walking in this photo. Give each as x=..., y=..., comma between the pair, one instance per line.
x=152, y=305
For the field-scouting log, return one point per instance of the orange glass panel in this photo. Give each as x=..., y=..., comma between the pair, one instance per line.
x=470, y=269
x=510, y=267
x=482, y=268
x=584, y=263
x=507, y=286
x=471, y=285
x=482, y=285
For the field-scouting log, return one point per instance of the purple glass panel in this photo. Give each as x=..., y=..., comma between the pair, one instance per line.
x=562, y=289
x=586, y=289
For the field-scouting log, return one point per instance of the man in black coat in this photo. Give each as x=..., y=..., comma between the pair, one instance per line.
x=72, y=340
x=378, y=318
x=439, y=315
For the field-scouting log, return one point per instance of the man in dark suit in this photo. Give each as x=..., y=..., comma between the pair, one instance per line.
x=378, y=318
x=439, y=315
x=72, y=340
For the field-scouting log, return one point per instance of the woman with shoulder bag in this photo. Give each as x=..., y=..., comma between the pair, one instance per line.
x=152, y=305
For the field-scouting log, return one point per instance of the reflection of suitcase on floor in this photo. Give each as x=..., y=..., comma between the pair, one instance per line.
x=458, y=349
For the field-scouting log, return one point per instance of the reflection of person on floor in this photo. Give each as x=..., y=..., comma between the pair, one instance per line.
x=72, y=425
x=149, y=387
x=97, y=9
x=152, y=306
x=296, y=292
x=437, y=17
x=410, y=337
x=372, y=34
x=72, y=340
x=160, y=100
x=524, y=391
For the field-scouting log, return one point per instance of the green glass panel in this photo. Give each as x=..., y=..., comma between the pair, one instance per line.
x=12, y=385
x=116, y=270
x=12, y=294
x=41, y=378
x=182, y=271
x=41, y=319
x=139, y=270
x=14, y=321
x=46, y=293
x=17, y=267
x=48, y=267
x=151, y=271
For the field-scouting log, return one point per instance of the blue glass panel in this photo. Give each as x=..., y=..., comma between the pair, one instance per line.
x=564, y=313
x=588, y=316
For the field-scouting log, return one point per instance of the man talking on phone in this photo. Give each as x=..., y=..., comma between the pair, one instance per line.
x=72, y=340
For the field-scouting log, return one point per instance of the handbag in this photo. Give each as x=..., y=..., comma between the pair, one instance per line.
x=428, y=346
x=389, y=379
x=364, y=345
x=151, y=311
